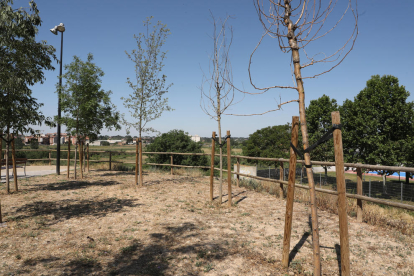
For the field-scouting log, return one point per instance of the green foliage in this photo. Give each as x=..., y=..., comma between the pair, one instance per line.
x=378, y=124
x=146, y=103
x=271, y=142
x=105, y=143
x=87, y=108
x=22, y=61
x=34, y=144
x=319, y=121
x=176, y=141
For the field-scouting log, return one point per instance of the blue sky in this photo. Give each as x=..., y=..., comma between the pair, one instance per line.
x=105, y=28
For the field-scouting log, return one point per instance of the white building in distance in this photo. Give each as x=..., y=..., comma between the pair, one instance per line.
x=195, y=138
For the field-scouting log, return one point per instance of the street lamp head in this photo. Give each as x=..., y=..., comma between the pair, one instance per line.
x=60, y=28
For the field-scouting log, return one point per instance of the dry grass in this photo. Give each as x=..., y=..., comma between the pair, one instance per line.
x=103, y=225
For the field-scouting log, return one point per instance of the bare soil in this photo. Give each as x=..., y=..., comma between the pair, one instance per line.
x=104, y=225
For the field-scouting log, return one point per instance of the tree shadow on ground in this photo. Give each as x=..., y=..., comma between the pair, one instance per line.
x=70, y=185
x=160, y=254
x=301, y=242
x=68, y=209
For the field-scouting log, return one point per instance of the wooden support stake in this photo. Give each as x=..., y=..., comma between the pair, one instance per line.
x=171, y=156
x=136, y=162
x=68, y=158
x=16, y=188
x=238, y=171
x=87, y=148
x=50, y=158
x=141, y=178
x=110, y=160
x=359, y=192
x=342, y=203
x=81, y=158
x=290, y=193
x=281, y=178
x=229, y=170
x=213, y=150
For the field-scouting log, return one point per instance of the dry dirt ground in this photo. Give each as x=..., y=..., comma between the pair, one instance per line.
x=103, y=225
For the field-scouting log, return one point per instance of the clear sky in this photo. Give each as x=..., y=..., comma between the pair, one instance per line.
x=105, y=28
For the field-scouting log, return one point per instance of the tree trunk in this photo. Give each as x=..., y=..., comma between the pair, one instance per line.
x=384, y=183
x=16, y=188
x=297, y=71
x=7, y=160
x=221, y=163
x=76, y=149
x=81, y=157
x=326, y=175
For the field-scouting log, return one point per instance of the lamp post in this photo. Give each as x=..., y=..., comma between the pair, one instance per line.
x=60, y=28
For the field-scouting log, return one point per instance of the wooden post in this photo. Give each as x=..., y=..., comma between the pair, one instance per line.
x=110, y=160
x=76, y=150
x=340, y=182
x=290, y=193
x=68, y=158
x=136, y=162
x=141, y=178
x=281, y=178
x=238, y=171
x=88, y=154
x=81, y=158
x=359, y=192
x=50, y=158
x=213, y=151
x=16, y=188
x=171, y=156
x=229, y=170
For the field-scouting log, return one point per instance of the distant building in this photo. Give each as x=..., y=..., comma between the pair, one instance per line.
x=195, y=138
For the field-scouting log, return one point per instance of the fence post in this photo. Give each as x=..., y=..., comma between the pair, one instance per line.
x=402, y=192
x=281, y=170
x=81, y=158
x=342, y=203
x=320, y=180
x=290, y=192
x=50, y=158
x=68, y=157
x=229, y=169
x=136, y=162
x=16, y=188
x=238, y=171
x=359, y=192
x=213, y=151
x=141, y=178
x=87, y=148
x=110, y=160
x=171, y=164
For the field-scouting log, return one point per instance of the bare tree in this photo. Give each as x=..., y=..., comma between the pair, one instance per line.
x=295, y=24
x=217, y=95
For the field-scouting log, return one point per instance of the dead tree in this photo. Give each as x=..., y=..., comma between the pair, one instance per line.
x=217, y=95
x=295, y=24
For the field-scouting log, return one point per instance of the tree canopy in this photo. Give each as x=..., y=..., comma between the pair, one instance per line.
x=146, y=103
x=378, y=124
x=86, y=106
x=319, y=122
x=271, y=142
x=176, y=141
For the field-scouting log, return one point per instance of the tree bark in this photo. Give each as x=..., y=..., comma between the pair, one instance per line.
x=16, y=188
x=326, y=175
x=297, y=71
x=7, y=160
x=76, y=149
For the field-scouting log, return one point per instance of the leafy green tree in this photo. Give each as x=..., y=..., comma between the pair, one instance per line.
x=34, y=144
x=319, y=121
x=86, y=106
x=176, y=141
x=269, y=142
x=147, y=102
x=377, y=125
x=22, y=62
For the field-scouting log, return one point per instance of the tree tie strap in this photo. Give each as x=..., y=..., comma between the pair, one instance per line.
x=223, y=143
x=327, y=136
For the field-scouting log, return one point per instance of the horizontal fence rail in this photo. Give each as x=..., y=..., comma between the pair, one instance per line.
x=327, y=191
